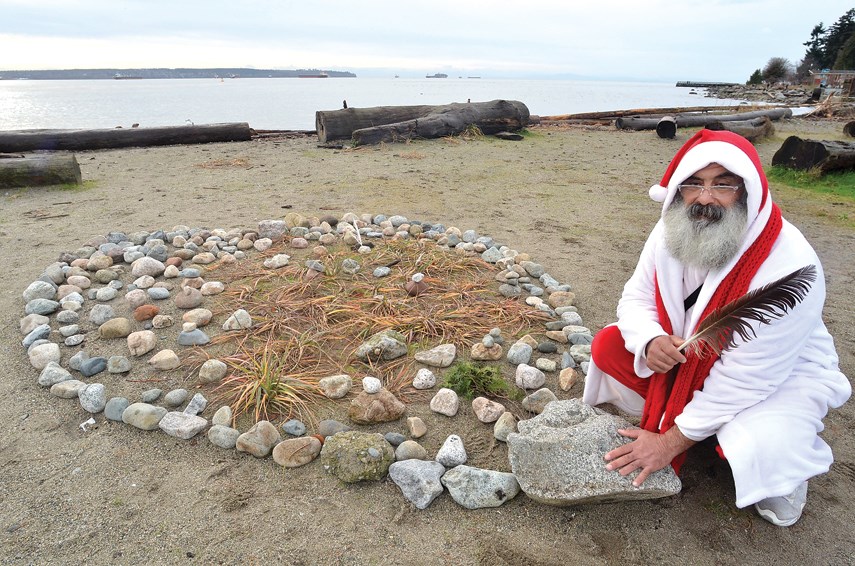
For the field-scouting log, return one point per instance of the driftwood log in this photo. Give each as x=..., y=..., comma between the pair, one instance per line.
x=37, y=170
x=752, y=130
x=822, y=155
x=398, y=123
x=31, y=140
x=666, y=127
x=849, y=129
x=658, y=112
x=699, y=120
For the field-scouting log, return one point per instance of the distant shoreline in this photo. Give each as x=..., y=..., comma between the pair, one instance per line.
x=164, y=73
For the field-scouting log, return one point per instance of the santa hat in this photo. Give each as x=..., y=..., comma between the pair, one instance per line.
x=731, y=151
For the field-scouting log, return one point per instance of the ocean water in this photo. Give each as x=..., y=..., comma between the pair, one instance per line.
x=291, y=103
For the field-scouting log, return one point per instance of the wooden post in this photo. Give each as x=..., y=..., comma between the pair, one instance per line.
x=39, y=170
x=666, y=127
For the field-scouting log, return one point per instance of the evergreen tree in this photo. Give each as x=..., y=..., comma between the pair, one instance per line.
x=836, y=36
x=756, y=78
x=814, y=56
x=777, y=69
x=846, y=56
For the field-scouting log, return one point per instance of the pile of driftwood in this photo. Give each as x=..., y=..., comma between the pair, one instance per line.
x=364, y=126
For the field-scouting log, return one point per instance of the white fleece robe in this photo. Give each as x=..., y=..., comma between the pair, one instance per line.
x=763, y=399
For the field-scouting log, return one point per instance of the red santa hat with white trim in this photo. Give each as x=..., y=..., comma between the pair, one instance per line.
x=731, y=151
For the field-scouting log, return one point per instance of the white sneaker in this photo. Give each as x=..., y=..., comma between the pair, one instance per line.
x=785, y=510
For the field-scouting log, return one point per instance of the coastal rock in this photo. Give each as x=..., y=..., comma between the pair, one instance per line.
x=528, y=377
x=373, y=408
x=487, y=411
x=416, y=427
x=182, y=425
x=213, y=371
x=410, y=450
x=506, y=424
x=223, y=416
x=223, y=436
x=484, y=353
x=452, y=453
x=143, y=416
x=93, y=397
x=557, y=458
x=445, y=402
x=296, y=452
x=259, y=440
x=115, y=328
x=115, y=407
x=165, y=360
x=386, y=345
x=537, y=401
x=475, y=488
x=239, y=320
x=519, y=353
x=52, y=374
x=336, y=386
x=40, y=356
x=441, y=356
x=418, y=480
x=354, y=456
x=425, y=379
x=69, y=389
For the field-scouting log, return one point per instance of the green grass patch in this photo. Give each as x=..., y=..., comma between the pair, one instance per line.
x=839, y=184
x=470, y=380
x=84, y=186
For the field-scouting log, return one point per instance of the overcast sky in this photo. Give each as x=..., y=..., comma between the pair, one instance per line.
x=718, y=40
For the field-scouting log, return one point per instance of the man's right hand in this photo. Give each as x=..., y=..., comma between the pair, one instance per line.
x=662, y=353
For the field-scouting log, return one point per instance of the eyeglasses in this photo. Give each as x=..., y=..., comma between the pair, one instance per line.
x=715, y=191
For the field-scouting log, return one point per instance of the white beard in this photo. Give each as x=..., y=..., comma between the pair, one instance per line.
x=707, y=237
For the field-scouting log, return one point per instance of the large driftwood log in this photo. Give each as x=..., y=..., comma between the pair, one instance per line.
x=397, y=123
x=30, y=140
x=657, y=112
x=39, y=170
x=823, y=155
x=666, y=127
x=695, y=120
x=751, y=130
x=849, y=129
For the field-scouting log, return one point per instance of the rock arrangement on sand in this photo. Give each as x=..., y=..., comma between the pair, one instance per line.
x=123, y=293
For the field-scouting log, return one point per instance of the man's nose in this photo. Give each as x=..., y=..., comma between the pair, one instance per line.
x=705, y=197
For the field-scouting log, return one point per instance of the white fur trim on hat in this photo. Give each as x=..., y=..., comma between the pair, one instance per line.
x=658, y=193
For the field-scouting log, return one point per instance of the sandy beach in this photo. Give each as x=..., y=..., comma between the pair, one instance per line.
x=574, y=198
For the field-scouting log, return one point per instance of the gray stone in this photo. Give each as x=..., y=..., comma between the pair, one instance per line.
x=223, y=416
x=151, y=395
x=418, y=480
x=509, y=291
x=101, y=314
x=330, y=427
x=547, y=347
x=143, y=416
x=147, y=266
x=223, y=436
x=296, y=452
x=581, y=352
x=272, y=229
x=386, y=345
x=69, y=389
x=528, y=377
x=118, y=364
x=105, y=294
x=158, y=293
x=239, y=320
x=40, y=290
x=93, y=397
x=557, y=457
x=537, y=401
x=567, y=361
x=506, y=424
x=31, y=321
x=75, y=340
x=77, y=359
x=115, y=407
x=441, y=356
x=445, y=402
x=41, y=306
x=452, y=453
x=93, y=366
x=212, y=371
x=579, y=338
x=357, y=456
x=336, y=386
x=193, y=338
x=381, y=271
x=175, y=397
x=196, y=405
x=534, y=269
x=69, y=330
x=410, y=450
x=545, y=364
x=52, y=374
x=491, y=255
x=475, y=488
x=182, y=425
x=425, y=379
x=40, y=332
x=294, y=427
x=519, y=353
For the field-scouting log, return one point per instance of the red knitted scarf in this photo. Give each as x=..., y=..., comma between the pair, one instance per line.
x=691, y=375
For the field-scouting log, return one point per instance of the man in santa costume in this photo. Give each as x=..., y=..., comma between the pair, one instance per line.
x=720, y=236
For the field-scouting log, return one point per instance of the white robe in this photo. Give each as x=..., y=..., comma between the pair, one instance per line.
x=764, y=399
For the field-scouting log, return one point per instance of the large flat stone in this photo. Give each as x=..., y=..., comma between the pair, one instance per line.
x=557, y=458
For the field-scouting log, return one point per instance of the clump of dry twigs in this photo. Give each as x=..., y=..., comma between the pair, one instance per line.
x=305, y=329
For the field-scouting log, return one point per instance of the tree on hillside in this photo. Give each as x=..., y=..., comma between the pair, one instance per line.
x=777, y=69
x=837, y=36
x=846, y=56
x=756, y=78
x=815, y=54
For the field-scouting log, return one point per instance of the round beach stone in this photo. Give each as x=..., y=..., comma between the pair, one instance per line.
x=79, y=281
x=115, y=407
x=52, y=374
x=145, y=312
x=39, y=290
x=141, y=342
x=506, y=424
x=519, y=353
x=158, y=293
x=136, y=298
x=144, y=282
x=188, y=298
x=425, y=379
x=259, y=440
x=452, y=453
x=175, y=397
x=147, y=266
x=487, y=411
x=441, y=356
x=416, y=427
x=410, y=450
x=545, y=364
x=445, y=402
x=143, y=416
x=199, y=317
x=336, y=386
x=371, y=384
x=528, y=377
x=165, y=360
x=41, y=306
x=162, y=321
x=212, y=288
x=151, y=395
x=118, y=364
x=93, y=366
x=193, y=337
x=223, y=416
x=68, y=389
x=43, y=354
x=101, y=314
x=212, y=371
x=294, y=427
x=239, y=320
x=296, y=452
x=115, y=328
x=41, y=332
x=223, y=436
x=32, y=321
x=93, y=397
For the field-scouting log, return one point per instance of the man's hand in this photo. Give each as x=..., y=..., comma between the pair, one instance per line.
x=662, y=353
x=649, y=451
